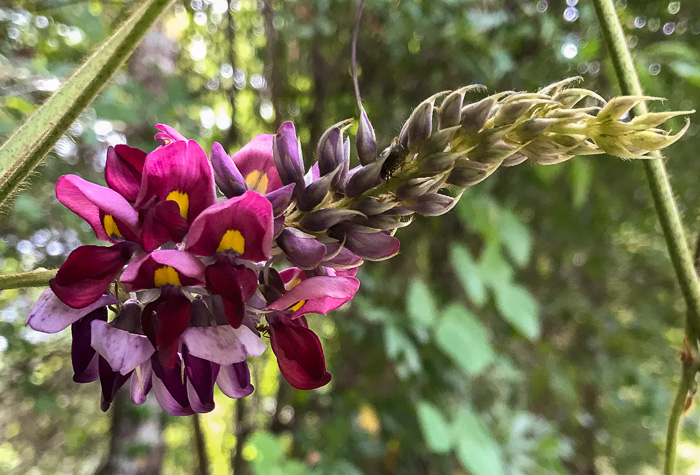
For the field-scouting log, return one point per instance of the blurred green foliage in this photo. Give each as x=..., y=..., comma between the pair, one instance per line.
x=534, y=329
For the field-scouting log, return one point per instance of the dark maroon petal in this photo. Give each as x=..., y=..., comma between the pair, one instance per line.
x=234, y=380
x=173, y=317
x=111, y=217
x=82, y=354
x=235, y=285
x=110, y=381
x=299, y=355
x=256, y=163
x=179, y=172
x=123, y=170
x=302, y=249
x=228, y=178
x=242, y=225
x=51, y=315
x=287, y=154
x=170, y=389
x=149, y=271
x=201, y=375
x=88, y=272
x=162, y=223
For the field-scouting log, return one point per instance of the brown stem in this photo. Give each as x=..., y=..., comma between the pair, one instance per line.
x=201, y=446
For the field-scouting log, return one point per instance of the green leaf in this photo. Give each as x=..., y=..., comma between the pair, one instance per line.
x=494, y=270
x=464, y=339
x=520, y=309
x=468, y=273
x=434, y=427
x=476, y=449
x=515, y=236
x=34, y=138
x=420, y=304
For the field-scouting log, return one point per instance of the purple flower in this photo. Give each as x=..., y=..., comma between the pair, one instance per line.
x=240, y=225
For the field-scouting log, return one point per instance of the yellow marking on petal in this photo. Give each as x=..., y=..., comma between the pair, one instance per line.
x=182, y=200
x=166, y=275
x=296, y=306
x=293, y=283
x=232, y=240
x=257, y=181
x=111, y=227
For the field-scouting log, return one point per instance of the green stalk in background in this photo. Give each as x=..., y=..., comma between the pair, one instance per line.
x=665, y=208
x=28, y=145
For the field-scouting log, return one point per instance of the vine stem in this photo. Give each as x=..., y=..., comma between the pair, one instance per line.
x=34, y=278
x=667, y=212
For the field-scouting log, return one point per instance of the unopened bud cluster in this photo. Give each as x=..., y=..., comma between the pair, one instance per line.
x=429, y=165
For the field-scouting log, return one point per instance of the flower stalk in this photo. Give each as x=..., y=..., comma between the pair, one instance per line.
x=34, y=278
x=667, y=211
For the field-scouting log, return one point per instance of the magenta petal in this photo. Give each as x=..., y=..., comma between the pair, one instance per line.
x=141, y=383
x=123, y=170
x=93, y=203
x=168, y=134
x=234, y=380
x=228, y=178
x=83, y=356
x=162, y=223
x=50, y=315
x=247, y=217
x=180, y=172
x=223, y=344
x=88, y=272
x=256, y=163
x=321, y=295
x=170, y=390
x=123, y=351
x=299, y=355
x=140, y=273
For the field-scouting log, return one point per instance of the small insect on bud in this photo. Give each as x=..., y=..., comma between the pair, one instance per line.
x=366, y=140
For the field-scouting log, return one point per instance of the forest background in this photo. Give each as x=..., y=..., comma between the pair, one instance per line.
x=535, y=329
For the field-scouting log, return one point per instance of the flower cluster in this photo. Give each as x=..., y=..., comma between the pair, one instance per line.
x=193, y=279
x=188, y=277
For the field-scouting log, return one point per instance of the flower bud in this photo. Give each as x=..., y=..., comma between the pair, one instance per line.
x=366, y=140
x=433, y=204
x=318, y=221
x=302, y=249
x=228, y=178
x=451, y=108
x=287, y=154
x=364, y=179
x=370, y=205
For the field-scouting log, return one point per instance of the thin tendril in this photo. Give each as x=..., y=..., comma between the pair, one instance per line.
x=355, y=34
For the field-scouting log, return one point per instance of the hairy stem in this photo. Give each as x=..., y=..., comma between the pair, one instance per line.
x=668, y=216
x=34, y=278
